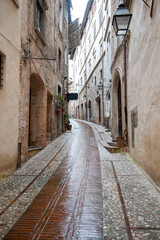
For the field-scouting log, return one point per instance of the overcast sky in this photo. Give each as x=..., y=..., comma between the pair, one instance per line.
x=78, y=10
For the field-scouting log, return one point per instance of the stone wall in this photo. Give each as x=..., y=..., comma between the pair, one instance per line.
x=50, y=42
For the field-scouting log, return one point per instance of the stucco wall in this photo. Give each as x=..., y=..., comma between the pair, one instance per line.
x=10, y=28
x=144, y=86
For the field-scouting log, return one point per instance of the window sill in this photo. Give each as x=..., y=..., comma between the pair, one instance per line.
x=40, y=35
x=16, y=2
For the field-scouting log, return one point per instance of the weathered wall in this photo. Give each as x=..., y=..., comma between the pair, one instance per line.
x=92, y=61
x=10, y=28
x=50, y=73
x=144, y=86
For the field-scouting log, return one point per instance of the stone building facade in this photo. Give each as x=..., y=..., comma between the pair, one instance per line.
x=43, y=72
x=33, y=73
x=90, y=64
x=129, y=74
x=142, y=87
x=10, y=48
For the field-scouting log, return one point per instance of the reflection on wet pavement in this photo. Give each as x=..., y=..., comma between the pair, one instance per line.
x=70, y=204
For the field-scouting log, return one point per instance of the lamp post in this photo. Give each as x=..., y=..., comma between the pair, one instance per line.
x=121, y=22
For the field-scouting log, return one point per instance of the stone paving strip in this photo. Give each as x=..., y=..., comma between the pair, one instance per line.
x=131, y=203
x=136, y=213
x=13, y=199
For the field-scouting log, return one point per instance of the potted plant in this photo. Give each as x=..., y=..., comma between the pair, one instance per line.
x=57, y=111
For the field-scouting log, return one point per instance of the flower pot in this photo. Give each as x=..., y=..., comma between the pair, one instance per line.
x=69, y=127
x=57, y=112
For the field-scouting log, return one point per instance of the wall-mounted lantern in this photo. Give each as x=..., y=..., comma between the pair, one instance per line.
x=121, y=19
x=100, y=86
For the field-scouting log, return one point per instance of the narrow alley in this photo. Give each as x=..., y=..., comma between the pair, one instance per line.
x=79, y=119
x=69, y=191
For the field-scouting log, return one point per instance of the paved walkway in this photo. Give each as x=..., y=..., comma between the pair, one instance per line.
x=131, y=204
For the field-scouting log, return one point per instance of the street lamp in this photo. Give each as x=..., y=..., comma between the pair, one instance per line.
x=100, y=86
x=121, y=19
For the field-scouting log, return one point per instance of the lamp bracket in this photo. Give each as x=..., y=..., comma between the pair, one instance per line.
x=146, y=3
x=27, y=55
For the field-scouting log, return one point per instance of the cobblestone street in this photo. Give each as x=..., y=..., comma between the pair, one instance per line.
x=69, y=190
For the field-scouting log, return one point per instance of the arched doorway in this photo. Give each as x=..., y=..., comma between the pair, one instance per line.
x=82, y=113
x=99, y=109
x=118, y=115
x=37, y=113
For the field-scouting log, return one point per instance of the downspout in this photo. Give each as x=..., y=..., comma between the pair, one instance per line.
x=102, y=69
x=125, y=83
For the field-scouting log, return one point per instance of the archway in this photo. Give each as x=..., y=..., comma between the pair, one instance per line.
x=117, y=106
x=82, y=112
x=37, y=113
x=89, y=107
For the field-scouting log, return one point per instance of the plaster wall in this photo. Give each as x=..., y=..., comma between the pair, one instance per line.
x=10, y=29
x=144, y=86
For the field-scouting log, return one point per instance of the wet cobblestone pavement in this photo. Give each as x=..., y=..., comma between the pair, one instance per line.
x=131, y=204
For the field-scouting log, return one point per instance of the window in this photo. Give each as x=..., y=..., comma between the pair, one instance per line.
x=66, y=56
x=59, y=58
x=101, y=74
x=94, y=53
x=66, y=10
x=94, y=31
x=81, y=62
x=89, y=63
x=89, y=40
x=39, y=17
x=1, y=70
x=60, y=17
x=118, y=40
x=100, y=17
x=59, y=89
x=93, y=7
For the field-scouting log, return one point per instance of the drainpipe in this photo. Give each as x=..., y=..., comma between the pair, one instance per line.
x=102, y=68
x=125, y=83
